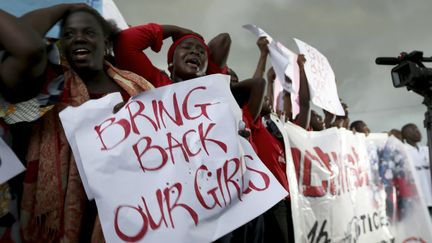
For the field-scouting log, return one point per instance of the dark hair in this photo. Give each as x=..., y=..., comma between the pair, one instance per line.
x=109, y=28
x=405, y=127
x=356, y=124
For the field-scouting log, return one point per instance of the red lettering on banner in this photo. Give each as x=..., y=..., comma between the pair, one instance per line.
x=153, y=224
x=296, y=156
x=210, y=198
x=362, y=177
x=162, y=110
x=130, y=238
x=219, y=180
x=308, y=189
x=212, y=192
x=325, y=159
x=336, y=183
x=169, y=195
x=350, y=174
x=176, y=204
x=170, y=147
x=189, y=152
x=139, y=113
x=203, y=138
x=145, y=144
x=149, y=147
x=124, y=124
x=229, y=178
x=203, y=107
x=251, y=185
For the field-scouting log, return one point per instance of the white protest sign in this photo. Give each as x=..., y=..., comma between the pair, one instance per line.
x=110, y=11
x=10, y=165
x=284, y=63
x=170, y=165
x=334, y=198
x=292, y=71
x=321, y=79
x=69, y=125
x=257, y=31
x=283, y=60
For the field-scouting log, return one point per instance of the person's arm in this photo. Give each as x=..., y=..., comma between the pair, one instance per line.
x=128, y=51
x=342, y=121
x=219, y=48
x=262, y=43
x=328, y=119
x=43, y=19
x=250, y=92
x=175, y=31
x=304, y=96
x=130, y=43
x=24, y=62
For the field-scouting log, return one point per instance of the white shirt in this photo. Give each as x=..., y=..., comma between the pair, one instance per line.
x=420, y=159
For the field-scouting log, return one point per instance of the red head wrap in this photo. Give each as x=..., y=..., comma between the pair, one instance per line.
x=178, y=41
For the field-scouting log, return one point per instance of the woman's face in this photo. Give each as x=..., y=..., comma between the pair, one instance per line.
x=83, y=42
x=190, y=59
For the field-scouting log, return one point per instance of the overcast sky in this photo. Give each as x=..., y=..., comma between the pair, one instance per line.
x=351, y=34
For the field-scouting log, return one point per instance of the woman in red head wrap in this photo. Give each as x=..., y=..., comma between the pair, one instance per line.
x=188, y=57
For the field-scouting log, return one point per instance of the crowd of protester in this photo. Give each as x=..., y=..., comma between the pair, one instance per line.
x=39, y=77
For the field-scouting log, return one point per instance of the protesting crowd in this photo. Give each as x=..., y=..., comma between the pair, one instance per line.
x=40, y=77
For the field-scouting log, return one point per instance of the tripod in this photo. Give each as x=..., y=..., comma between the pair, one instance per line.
x=428, y=125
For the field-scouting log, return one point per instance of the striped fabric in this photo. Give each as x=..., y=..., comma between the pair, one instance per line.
x=33, y=109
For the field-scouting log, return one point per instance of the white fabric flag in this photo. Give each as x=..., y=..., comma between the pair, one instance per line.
x=170, y=165
x=333, y=197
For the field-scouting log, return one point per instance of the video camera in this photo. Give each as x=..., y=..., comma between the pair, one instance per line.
x=410, y=72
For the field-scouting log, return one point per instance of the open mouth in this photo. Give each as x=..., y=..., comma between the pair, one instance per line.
x=81, y=53
x=193, y=62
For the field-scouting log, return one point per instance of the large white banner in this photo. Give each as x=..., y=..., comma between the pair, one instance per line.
x=321, y=79
x=170, y=165
x=406, y=208
x=334, y=198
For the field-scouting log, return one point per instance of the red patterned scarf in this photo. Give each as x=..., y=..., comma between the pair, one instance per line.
x=53, y=198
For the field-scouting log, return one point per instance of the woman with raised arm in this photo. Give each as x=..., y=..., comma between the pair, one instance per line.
x=54, y=206
x=188, y=57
